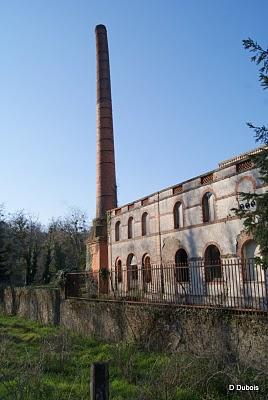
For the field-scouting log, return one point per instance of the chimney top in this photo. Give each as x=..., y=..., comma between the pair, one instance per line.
x=100, y=28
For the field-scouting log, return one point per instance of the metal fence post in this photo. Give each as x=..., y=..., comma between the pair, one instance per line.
x=99, y=381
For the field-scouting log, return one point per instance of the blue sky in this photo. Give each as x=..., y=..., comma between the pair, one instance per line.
x=182, y=87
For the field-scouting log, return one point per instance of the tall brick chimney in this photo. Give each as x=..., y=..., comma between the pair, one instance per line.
x=106, y=194
x=106, y=197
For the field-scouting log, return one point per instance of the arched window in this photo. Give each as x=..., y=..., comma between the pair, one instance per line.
x=182, y=267
x=130, y=228
x=118, y=271
x=178, y=215
x=144, y=224
x=117, y=231
x=147, y=271
x=208, y=207
x=132, y=271
x=250, y=250
x=212, y=263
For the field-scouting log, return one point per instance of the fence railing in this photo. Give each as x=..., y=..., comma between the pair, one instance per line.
x=226, y=283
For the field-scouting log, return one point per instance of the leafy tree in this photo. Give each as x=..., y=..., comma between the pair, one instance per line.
x=27, y=240
x=47, y=257
x=256, y=220
x=30, y=253
x=66, y=244
x=75, y=228
x=4, y=251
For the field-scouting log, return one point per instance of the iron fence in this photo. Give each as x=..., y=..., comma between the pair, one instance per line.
x=226, y=283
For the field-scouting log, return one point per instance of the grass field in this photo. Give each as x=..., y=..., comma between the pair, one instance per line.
x=44, y=362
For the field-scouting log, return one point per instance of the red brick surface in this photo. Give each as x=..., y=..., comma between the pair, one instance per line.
x=106, y=197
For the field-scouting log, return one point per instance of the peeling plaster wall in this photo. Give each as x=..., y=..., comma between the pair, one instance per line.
x=163, y=240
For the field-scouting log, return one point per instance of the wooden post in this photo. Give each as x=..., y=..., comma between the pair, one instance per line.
x=99, y=381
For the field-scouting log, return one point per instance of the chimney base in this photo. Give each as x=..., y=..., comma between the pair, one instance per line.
x=97, y=251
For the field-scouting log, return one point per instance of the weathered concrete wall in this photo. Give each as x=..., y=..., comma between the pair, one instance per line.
x=42, y=305
x=224, y=335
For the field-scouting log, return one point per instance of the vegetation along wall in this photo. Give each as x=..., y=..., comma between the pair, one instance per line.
x=230, y=337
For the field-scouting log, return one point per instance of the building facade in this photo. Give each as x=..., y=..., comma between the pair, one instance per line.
x=181, y=242
x=192, y=218
x=185, y=244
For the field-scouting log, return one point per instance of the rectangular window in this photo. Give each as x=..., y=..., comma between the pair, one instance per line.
x=206, y=179
x=243, y=166
x=177, y=189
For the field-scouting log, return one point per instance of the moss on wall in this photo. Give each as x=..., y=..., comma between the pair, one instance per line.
x=202, y=332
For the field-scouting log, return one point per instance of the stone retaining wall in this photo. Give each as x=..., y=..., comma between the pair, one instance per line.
x=42, y=305
x=228, y=336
